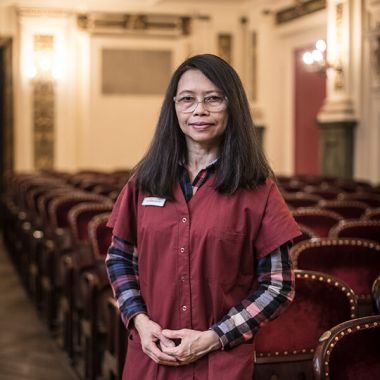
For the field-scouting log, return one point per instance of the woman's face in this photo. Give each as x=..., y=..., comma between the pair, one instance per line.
x=206, y=124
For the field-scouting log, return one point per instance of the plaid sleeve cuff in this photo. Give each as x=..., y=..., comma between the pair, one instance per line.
x=275, y=292
x=122, y=269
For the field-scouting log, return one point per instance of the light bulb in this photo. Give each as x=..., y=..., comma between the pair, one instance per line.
x=321, y=45
x=308, y=58
x=317, y=55
x=31, y=72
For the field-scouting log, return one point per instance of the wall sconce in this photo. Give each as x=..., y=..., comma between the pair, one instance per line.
x=315, y=60
x=43, y=65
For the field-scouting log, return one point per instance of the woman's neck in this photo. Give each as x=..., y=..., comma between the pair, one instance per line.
x=199, y=158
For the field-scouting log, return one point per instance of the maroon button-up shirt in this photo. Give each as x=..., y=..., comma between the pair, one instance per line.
x=196, y=261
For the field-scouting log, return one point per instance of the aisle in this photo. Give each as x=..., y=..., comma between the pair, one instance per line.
x=27, y=352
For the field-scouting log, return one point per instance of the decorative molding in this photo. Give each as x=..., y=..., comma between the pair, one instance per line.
x=43, y=111
x=225, y=47
x=254, y=53
x=302, y=8
x=339, y=76
x=137, y=24
x=42, y=12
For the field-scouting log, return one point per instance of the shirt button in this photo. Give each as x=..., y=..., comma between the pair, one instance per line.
x=182, y=250
x=183, y=278
x=184, y=308
x=184, y=220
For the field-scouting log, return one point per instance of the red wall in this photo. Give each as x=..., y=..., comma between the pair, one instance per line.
x=310, y=91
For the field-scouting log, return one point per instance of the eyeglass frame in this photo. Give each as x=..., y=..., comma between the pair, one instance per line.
x=225, y=101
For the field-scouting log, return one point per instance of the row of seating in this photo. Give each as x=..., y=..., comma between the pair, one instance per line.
x=55, y=231
x=337, y=261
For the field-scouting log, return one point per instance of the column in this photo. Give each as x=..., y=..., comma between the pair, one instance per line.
x=337, y=118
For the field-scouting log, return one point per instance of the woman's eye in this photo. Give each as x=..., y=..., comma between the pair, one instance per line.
x=187, y=99
x=213, y=99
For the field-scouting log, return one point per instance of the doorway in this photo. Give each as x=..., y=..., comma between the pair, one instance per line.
x=6, y=111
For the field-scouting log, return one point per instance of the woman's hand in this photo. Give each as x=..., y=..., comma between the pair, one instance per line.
x=152, y=338
x=194, y=344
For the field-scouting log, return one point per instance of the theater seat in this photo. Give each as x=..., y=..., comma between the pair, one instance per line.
x=372, y=214
x=318, y=220
x=376, y=294
x=74, y=263
x=346, y=209
x=350, y=351
x=96, y=292
x=372, y=199
x=116, y=344
x=300, y=199
x=355, y=261
x=306, y=234
x=284, y=348
x=354, y=228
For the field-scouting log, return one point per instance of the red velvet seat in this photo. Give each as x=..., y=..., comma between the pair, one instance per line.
x=284, y=348
x=355, y=261
x=61, y=243
x=116, y=344
x=306, y=234
x=372, y=214
x=325, y=192
x=372, y=199
x=346, y=209
x=318, y=220
x=300, y=199
x=96, y=292
x=292, y=186
x=376, y=293
x=352, y=186
x=350, y=351
x=80, y=259
x=358, y=228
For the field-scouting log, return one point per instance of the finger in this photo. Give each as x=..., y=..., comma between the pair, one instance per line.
x=173, y=351
x=166, y=341
x=157, y=354
x=173, y=334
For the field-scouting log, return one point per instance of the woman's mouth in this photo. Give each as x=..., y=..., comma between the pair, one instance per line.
x=200, y=125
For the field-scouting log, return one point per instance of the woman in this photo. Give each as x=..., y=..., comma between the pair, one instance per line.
x=199, y=257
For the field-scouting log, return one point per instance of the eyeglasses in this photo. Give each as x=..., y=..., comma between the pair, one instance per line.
x=212, y=103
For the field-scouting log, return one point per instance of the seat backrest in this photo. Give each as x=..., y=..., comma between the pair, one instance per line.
x=376, y=293
x=43, y=204
x=346, y=209
x=355, y=261
x=350, y=351
x=318, y=220
x=80, y=216
x=325, y=192
x=372, y=199
x=300, y=199
x=60, y=207
x=285, y=346
x=100, y=235
x=372, y=214
x=306, y=234
x=357, y=228
x=321, y=301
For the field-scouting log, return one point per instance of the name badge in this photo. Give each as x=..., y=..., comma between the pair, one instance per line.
x=153, y=201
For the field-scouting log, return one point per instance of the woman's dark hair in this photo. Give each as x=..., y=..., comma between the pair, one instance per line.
x=241, y=161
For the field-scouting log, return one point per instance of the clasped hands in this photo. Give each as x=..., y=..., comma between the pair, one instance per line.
x=159, y=344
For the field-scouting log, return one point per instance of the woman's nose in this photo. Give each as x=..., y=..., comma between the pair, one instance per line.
x=200, y=108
